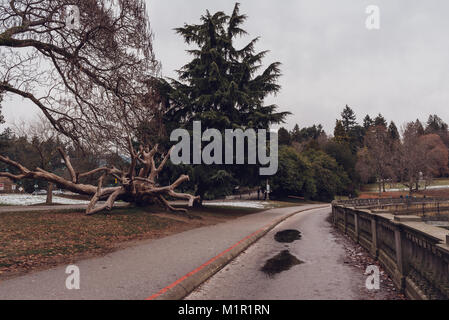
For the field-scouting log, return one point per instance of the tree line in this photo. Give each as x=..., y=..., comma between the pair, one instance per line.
x=373, y=151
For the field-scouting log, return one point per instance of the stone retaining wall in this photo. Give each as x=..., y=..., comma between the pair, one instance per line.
x=415, y=254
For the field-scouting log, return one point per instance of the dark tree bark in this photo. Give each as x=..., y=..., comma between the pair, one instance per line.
x=49, y=199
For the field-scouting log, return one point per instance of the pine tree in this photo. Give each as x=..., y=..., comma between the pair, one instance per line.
x=340, y=132
x=354, y=132
x=435, y=125
x=380, y=121
x=367, y=122
x=393, y=131
x=296, y=133
x=224, y=87
x=348, y=119
x=284, y=137
x=221, y=86
x=419, y=127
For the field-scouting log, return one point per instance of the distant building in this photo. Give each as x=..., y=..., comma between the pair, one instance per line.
x=7, y=185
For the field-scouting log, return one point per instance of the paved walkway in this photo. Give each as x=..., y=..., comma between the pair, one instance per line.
x=321, y=274
x=140, y=271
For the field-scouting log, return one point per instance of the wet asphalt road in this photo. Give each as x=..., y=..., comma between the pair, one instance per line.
x=318, y=270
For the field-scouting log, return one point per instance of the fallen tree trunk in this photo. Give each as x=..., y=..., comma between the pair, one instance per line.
x=134, y=187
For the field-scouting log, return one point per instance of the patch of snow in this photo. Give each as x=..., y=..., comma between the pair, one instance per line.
x=240, y=204
x=28, y=200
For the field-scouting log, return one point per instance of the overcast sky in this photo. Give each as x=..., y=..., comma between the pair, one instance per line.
x=329, y=58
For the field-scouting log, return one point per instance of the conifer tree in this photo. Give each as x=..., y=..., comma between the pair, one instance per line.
x=224, y=87
x=380, y=121
x=367, y=122
x=393, y=131
x=296, y=133
x=340, y=132
x=348, y=119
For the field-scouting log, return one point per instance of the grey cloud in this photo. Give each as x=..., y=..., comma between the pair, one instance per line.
x=329, y=58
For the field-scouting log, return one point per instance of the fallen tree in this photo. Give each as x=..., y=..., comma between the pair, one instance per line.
x=137, y=186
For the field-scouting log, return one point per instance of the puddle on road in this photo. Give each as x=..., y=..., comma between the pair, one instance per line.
x=287, y=236
x=279, y=263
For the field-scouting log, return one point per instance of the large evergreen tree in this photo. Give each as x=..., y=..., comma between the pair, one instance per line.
x=222, y=87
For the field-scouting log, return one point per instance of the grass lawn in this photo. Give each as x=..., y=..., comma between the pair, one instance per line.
x=38, y=240
x=375, y=187
x=440, y=182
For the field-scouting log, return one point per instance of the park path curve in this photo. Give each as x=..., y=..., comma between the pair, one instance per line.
x=140, y=271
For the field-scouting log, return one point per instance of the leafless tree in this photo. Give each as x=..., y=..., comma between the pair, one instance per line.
x=376, y=158
x=423, y=157
x=44, y=141
x=93, y=77
x=89, y=76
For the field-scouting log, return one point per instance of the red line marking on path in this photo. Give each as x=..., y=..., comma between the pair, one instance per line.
x=191, y=273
